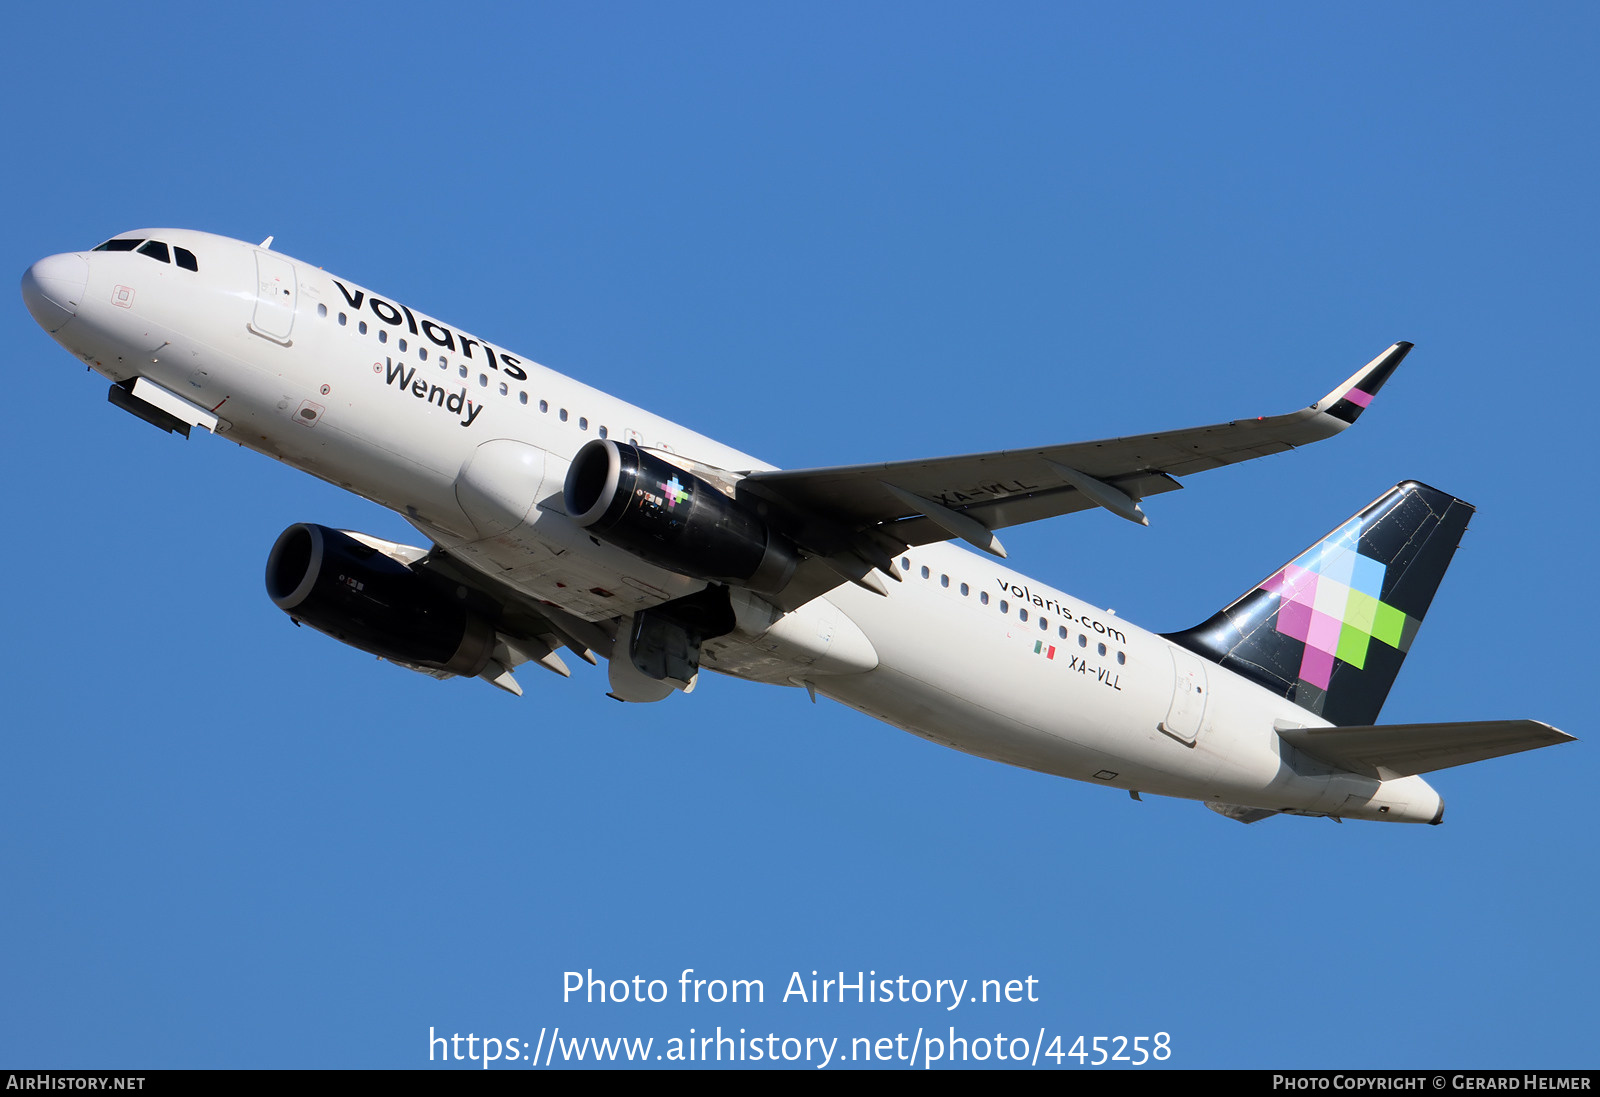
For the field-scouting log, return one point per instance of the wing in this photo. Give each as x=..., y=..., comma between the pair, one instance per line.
x=525, y=630
x=867, y=513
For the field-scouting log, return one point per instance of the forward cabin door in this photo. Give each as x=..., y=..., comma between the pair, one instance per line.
x=275, y=298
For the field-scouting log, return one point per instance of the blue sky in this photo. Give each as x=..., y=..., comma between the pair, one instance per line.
x=823, y=234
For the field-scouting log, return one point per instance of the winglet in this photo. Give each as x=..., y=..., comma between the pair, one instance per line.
x=1348, y=400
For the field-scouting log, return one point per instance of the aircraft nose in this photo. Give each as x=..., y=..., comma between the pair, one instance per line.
x=53, y=289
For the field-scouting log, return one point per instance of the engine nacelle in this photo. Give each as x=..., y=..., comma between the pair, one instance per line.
x=364, y=598
x=673, y=519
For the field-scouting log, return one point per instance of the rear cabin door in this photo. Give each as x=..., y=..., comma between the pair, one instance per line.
x=1188, y=695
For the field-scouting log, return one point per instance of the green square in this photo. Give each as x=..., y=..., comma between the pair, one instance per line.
x=1387, y=624
x=1360, y=610
x=1353, y=645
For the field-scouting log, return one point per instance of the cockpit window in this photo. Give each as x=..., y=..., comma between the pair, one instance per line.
x=156, y=250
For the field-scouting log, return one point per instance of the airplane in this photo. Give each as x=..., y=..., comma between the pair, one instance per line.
x=562, y=520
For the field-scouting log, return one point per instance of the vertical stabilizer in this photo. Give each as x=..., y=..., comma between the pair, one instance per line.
x=1330, y=629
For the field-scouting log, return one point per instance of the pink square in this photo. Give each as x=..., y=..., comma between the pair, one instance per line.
x=1316, y=667
x=1324, y=632
x=1299, y=585
x=1294, y=620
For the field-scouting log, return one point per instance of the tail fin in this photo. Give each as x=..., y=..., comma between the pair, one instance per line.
x=1330, y=629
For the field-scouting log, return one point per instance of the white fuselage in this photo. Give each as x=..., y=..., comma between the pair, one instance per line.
x=371, y=395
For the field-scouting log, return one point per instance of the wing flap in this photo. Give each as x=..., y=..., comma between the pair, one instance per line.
x=535, y=628
x=1033, y=507
x=1386, y=751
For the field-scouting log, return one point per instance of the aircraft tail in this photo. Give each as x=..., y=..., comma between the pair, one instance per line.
x=1330, y=629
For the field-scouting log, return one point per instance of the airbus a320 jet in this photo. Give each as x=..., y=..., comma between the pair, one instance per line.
x=560, y=520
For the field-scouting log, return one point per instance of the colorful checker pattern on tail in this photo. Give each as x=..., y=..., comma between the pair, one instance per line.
x=1330, y=629
x=1330, y=600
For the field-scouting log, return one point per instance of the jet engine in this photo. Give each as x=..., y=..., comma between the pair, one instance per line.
x=674, y=519
x=369, y=600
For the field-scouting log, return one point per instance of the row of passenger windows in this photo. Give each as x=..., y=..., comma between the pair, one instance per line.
x=156, y=250
x=1022, y=612
x=462, y=369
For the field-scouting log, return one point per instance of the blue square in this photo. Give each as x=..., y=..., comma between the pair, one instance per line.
x=1367, y=576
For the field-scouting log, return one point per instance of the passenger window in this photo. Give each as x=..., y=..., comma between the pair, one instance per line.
x=563, y=415
x=1044, y=624
x=1122, y=658
x=603, y=433
x=156, y=250
x=383, y=335
x=944, y=580
x=322, y=310
x=362, y=327
x=504, y=388
x=583, y=424
x=983, y=597
x=905, y=563
x=343, y=319
x=924, y=571
x=402, y=346
x=1005, y=606
x=1102, y=648
x=462, y=369
x=1083, y=641
x=186, y=258
x=544, y=405
x=522, y=398
x=1022, y=615
x=1062, y=632
x=483, y=380
x=422, y=352
x=965, y=590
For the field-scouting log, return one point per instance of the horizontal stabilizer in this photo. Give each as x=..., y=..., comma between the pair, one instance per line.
x=1386, y=751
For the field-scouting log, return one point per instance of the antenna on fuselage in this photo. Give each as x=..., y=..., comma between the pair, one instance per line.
x=267, y=243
